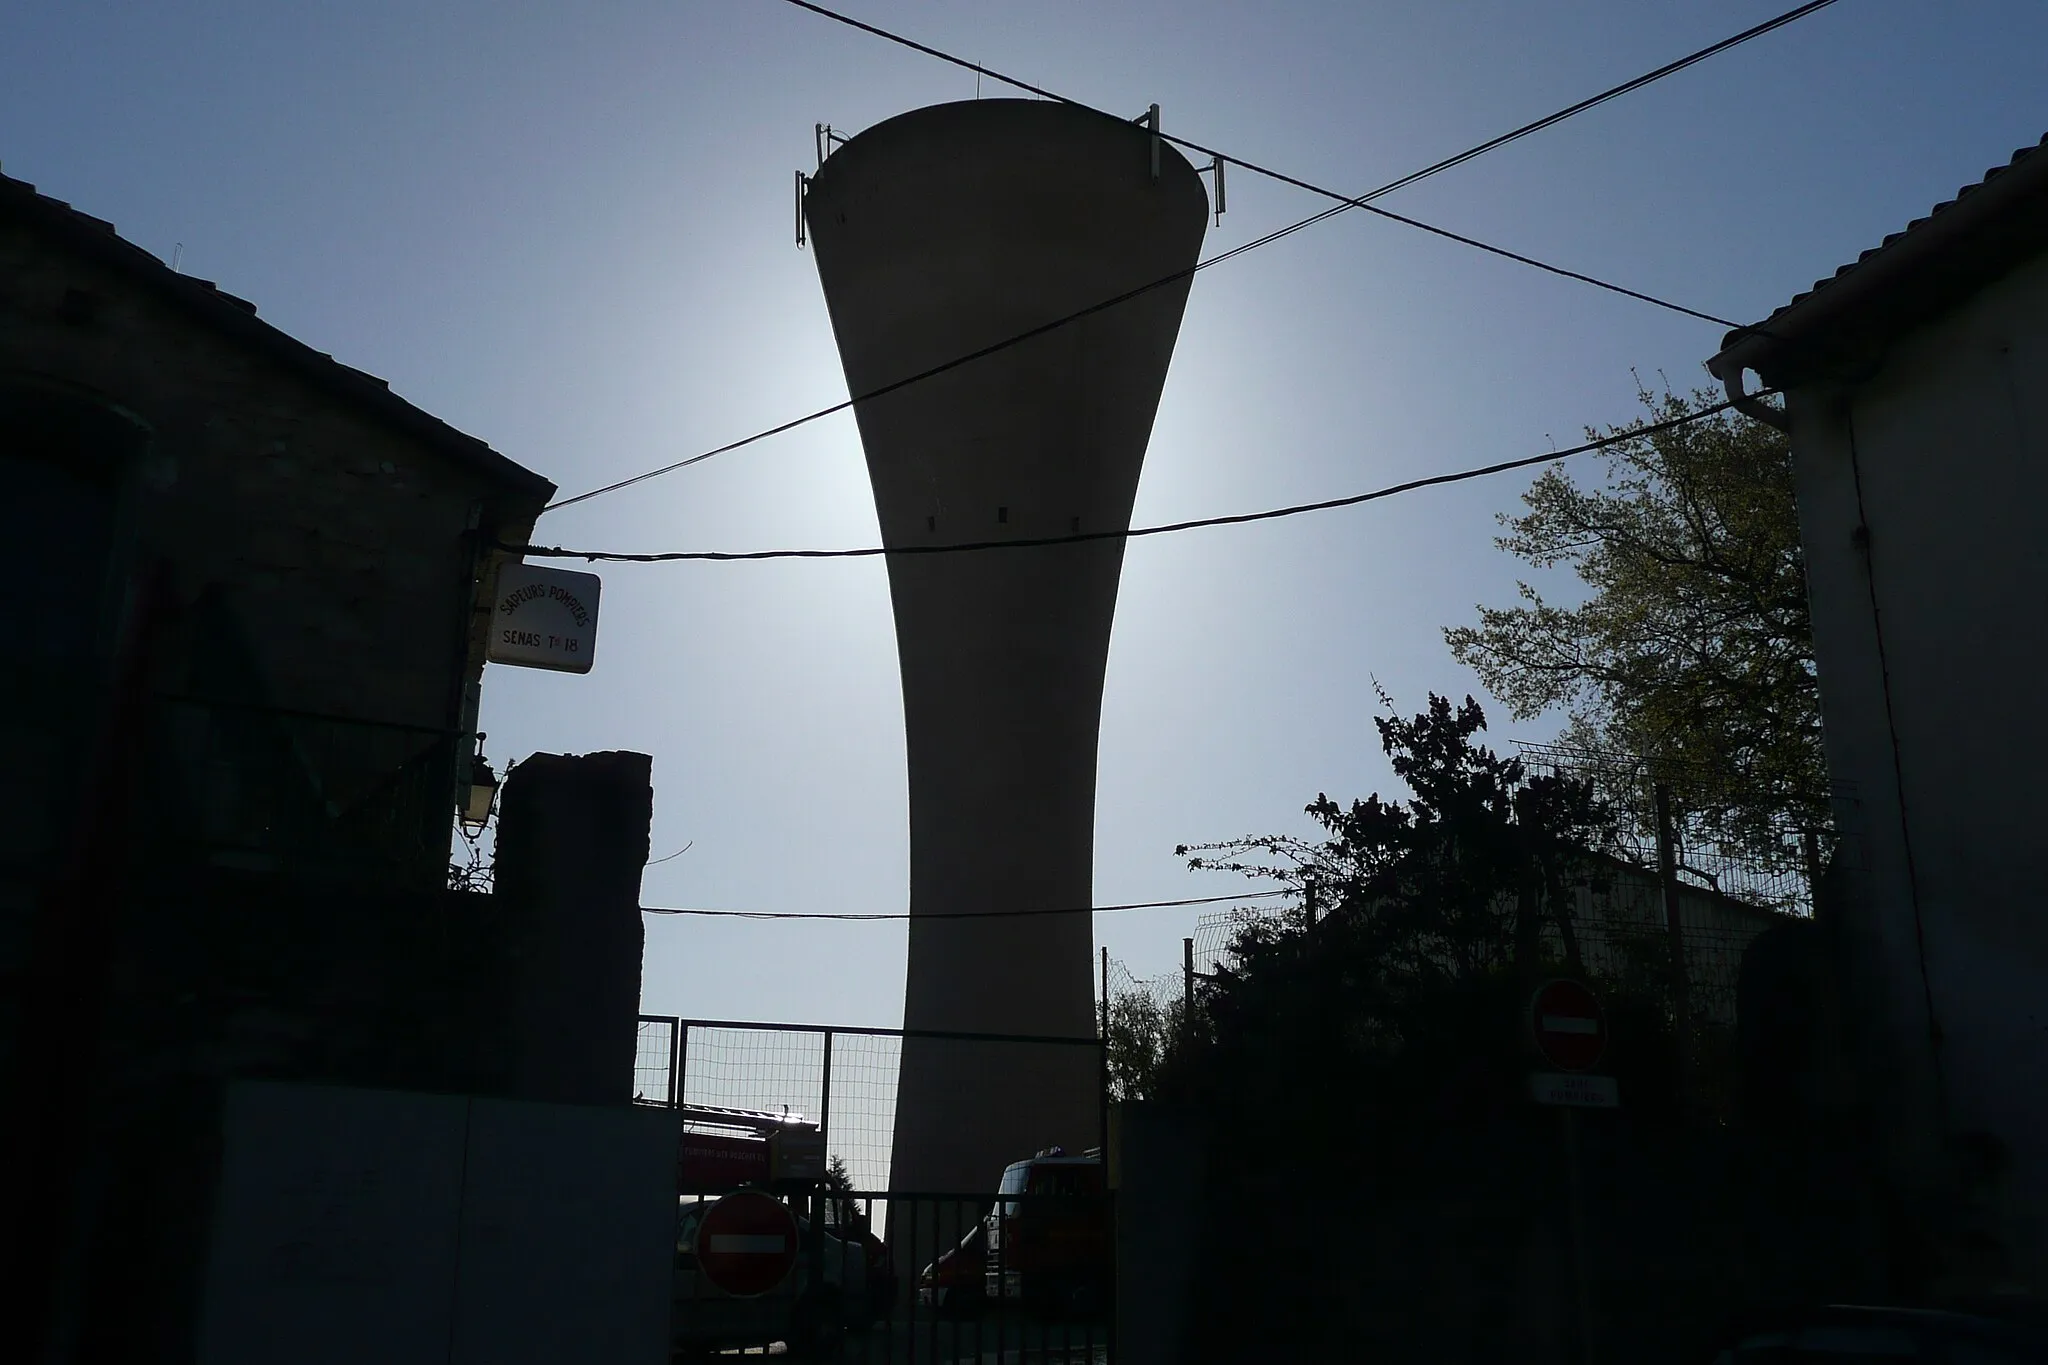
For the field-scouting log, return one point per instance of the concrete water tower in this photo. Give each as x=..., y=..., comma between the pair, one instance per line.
x=939, y=232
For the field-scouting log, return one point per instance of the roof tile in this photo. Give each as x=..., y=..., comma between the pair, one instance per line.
x=1965, y=192
x=236, y=317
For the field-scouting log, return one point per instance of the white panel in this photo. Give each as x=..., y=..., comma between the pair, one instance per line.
x=568, y=1235
x=334, y=1235
x=545, y=618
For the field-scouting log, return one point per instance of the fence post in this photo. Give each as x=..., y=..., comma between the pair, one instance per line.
x=1187, y=1004
x=1105, y=994
x=825, y=1099
x=675, y=1061
x=1308, y=902
x=1681, y=996
x=1102, y=1070
x=1809, y=843
x=679, y=1058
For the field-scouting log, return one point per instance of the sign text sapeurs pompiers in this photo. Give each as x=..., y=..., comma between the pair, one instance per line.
x=544, y=618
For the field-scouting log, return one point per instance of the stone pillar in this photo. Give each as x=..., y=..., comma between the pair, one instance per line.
x=572, y=840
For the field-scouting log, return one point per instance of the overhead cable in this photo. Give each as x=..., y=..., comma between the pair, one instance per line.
x=1138, y=532
x=1348, y=201
x=955, y=363
x=1345, y=203
x=965, y=914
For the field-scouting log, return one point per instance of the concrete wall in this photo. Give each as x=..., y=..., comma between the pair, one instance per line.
x=1163, y=1213
x=361, y=1225
x=936, y=233
x=530, y=994
x=1919, y=496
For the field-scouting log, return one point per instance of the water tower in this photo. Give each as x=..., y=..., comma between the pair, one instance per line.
x=939, y=232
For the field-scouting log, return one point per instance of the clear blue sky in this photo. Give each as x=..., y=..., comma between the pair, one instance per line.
x=566, y=229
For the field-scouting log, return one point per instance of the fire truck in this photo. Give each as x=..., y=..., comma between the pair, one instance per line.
x=1049, y=1237
x=723, y=1150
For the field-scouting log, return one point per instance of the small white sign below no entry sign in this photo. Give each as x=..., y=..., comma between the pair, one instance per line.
x=544, y=618
x=1577, y=1091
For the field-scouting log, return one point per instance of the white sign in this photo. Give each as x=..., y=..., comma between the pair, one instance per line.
x=1581, y=1092
x=544, y=618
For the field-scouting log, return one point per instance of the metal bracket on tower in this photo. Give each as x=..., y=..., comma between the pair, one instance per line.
x=803, y=182
x=1215, y=167
x=823, y=139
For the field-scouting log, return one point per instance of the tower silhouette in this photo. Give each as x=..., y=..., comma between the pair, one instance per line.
x=937, y=233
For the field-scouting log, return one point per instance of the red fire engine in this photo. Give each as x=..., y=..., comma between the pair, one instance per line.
x=723, y=1149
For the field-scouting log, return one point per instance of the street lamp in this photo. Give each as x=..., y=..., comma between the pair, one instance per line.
x=481, y=794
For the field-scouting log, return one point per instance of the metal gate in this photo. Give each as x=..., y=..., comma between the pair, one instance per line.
x=891, y=1277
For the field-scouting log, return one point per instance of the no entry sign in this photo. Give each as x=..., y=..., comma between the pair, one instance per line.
x=1571, y=1033
x=747, y=1243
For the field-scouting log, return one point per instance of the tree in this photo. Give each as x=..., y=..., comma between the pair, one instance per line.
x=1693, y=647
x=1461, y=878
x=1434, y=917
x=841, y=1211
x=1142, y=1035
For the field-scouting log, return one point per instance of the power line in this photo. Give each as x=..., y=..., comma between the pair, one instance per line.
x=965, y=914
x=1135, y=533
x=1348, y=201
x=1345, y=203
x=955, y=363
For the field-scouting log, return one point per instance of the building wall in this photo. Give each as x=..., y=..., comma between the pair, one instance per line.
x=937, y=233
x=338, y=539
x=319, y=561
x=1920, y=490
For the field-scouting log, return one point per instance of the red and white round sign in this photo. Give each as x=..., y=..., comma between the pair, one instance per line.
x=747, y=1243
x=1570, y=1030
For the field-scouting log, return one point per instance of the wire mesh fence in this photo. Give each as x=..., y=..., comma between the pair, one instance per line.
x=864, y=1071
x=1620, y=926
x=842, y=1080
x=1214, y=934
x=654, y=1060
x=1776, y=866
x=1626, y=916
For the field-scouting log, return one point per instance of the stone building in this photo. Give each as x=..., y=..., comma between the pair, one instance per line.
x=289, y=533
x=249, y=588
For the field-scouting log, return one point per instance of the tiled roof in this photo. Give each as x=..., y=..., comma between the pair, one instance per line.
x=1934, y=261
x=236, y=318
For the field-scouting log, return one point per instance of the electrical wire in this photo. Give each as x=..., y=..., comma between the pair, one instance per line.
x=955, y=363
x=1139, y=532
x=965, y=914
x=1345, y=203
x=1348, y=201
